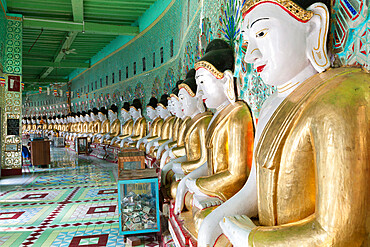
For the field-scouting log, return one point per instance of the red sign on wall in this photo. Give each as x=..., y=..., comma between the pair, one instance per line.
x=14, y=83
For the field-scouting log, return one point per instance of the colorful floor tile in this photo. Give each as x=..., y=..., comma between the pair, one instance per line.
x=71, y=203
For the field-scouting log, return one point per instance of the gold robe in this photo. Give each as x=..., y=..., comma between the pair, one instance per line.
x=90, y=127
x=126, y=129
x=79, y=128
x=178, y=127
x=34, y=127
x=105, y=127
x=179, y=149
x=229, y=143
x=139, y=129
x=313, y=165
x=85, y=127
x=97, y=126
x=195, y=142
x=155, y=128
x=115, y=130
x=45, y=126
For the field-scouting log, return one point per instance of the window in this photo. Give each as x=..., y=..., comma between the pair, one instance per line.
x=134, y=68
x=112, y=78
x=88, y=88
x=96, y=85
x=144, y=67
x=153, y=59
x=101, y=82
x=126, y=72
x=161, y=52
x=171, y=48
x=106, y=81
x=92, y=86
x=119, y=75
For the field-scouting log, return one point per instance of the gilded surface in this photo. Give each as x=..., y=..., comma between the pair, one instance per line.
x=195, y=142
x=313, y=165
x=155, y=129
x=115, y=128
x=139, y=129
x=85, y=127
x=126, y=129
x=166, y=132
x=229, y=143
x=97, y=126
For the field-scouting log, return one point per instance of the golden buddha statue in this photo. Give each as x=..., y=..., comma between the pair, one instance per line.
x=24, y=125
x=126, y=125
x=139, y=125
x=115, y=125
x=176, y=110
x=193, y=153
x=229, y=137
x=309, y=183
x=34, y=125
x=44, y=124
x=167, y=126
x=103, y=125
x=155, y=126
x=85, y=123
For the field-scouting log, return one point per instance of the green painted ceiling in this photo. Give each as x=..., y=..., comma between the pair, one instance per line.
x=62, y=35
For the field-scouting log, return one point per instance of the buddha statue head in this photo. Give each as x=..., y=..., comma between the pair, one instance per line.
x=54, y=120
x=38, y=119
x=125, y=111
x=112, y=113
x=151, y=112
x=88, y=117
x=94, y=114
x=135, y=109
x=83, y=116
x=177, y=107
x=170, y=106
x=49, y=120
x=33, y=120
x=214, y=75
x=24, y=120
x=162, y=109
x=284, y=39
x=44, y=118
x=102, y=114
x=190, y=104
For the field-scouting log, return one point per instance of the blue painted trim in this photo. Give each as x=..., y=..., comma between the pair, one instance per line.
x=14, y=15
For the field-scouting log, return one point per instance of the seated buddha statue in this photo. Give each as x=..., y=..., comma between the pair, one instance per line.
x=126, y=125
x=29, y=125
x=193, y=154
x=90, y=124
x=95, y=124
x=139, y=125
x=105, y=125
x=33, y=124
x=178, y=123
x=44, y=124
x=229, y=137
x=78, y=126
x=115, y=125
x=155, y=126
x=310, y=163
x=84, y=124
x=50, y=125
x=24, y=125
x=167, y=126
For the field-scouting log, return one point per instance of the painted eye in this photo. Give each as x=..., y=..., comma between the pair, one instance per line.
x=201, y=82
x=261, y=33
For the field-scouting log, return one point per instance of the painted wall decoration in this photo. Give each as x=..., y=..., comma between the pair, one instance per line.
x=169, y=81
x=156, y=88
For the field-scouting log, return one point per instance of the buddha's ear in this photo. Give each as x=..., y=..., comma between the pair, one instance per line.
x=229, y=86
x=317, y=36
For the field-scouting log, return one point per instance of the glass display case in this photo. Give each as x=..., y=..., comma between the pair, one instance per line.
x=138, y=202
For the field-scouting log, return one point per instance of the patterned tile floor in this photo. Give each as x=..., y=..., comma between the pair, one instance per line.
x=73, y=203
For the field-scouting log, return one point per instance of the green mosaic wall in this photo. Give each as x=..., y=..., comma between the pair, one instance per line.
x=11, y=102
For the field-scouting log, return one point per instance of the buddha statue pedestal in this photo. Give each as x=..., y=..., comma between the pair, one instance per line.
x=98, y=150
x=112, y=153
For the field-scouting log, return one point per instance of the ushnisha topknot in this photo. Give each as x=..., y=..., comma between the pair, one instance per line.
x=137, y=104
x=189, y=84
x=95, y=111
x=153, y=102
x=164, y=101
x=218, y=58
x=126, y=106
x=103, y=111
x=114, y=108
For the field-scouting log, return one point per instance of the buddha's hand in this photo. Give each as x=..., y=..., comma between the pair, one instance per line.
x=176, y=168
x=203, y=202
x=180, y=196
x=237, y=229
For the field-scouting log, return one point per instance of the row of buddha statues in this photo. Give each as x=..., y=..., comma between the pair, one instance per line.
x=296, y=177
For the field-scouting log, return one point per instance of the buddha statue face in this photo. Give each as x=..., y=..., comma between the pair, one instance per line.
x=188, y=103
x=280, y=47
x=210, y=89
x=33, y=121
x=170, y=107
x=125, y=115
x=24, y=121
x=135, y=113
x=101, y=116
x=88, y=118
x=177, y=107
x=162, y=112
x=151, y=113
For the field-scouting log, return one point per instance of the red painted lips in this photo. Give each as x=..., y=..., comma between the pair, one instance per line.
x=260, y=68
